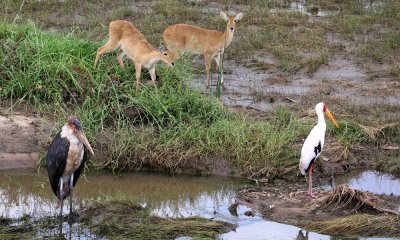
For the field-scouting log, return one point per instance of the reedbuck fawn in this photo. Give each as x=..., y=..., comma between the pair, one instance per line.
x=181, y=37
x=132, y=42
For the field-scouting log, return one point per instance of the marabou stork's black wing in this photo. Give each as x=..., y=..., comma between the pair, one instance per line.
x=78, y=171
x=56, y=160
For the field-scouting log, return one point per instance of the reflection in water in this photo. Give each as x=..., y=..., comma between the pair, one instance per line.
x=256, y=228
x=371, y=181
x=67, y=231
x=302, y=236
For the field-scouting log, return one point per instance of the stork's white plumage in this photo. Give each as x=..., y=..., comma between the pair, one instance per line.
x=314, y=143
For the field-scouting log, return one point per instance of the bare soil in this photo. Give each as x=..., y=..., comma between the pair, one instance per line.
x=22, y=137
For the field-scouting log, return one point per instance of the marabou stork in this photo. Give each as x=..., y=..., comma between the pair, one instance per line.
x=66, y=158
x=314, y=143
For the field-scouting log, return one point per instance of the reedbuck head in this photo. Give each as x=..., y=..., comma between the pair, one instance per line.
x=168, y=57
x=230, y=27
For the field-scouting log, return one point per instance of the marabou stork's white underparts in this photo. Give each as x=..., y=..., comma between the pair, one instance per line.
x=314, y=143
x=66, y=158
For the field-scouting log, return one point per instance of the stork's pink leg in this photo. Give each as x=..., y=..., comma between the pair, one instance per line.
x=310, y=182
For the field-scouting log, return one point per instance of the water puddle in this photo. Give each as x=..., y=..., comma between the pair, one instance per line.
x=166, y=196
x=372, y=181
x=302, y=7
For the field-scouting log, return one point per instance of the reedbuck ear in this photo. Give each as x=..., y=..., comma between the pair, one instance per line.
x=239, y=16
x=223, y=15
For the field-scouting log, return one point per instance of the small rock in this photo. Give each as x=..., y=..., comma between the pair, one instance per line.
x=249, y=213
x=271, y=207
x=233, y=208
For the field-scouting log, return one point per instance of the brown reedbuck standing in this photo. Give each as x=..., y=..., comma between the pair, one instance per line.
x=181, y=37
x=132, y=42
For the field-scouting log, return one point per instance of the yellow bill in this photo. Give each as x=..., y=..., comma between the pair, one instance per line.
x=331, y=117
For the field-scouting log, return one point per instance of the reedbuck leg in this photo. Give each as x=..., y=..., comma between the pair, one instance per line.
x=108, y=47
x=120, y=57
x=217, y=58
x=153, y=75
x=207, y=60
x=138, y=69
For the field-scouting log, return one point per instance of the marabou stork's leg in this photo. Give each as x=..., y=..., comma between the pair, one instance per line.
x=310, y=182
x=61, y=193
x=71, y=187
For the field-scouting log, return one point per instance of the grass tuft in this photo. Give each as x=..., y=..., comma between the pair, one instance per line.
x=360, y=224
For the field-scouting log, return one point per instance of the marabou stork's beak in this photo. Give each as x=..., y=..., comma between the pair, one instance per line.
x=80, y=134
x=82, y=137
x=331, y=117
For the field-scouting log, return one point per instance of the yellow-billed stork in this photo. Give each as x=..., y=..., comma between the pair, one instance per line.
x=314, y=143
x=66, y=158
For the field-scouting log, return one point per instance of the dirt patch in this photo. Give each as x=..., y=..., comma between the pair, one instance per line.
x=292, y=205
x=22, y=136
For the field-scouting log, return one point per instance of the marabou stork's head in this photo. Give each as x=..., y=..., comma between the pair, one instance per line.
x=321, y=107
x=76, y=126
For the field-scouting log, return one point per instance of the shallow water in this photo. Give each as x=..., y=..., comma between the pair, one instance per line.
x=371, y=181
x=179, y=196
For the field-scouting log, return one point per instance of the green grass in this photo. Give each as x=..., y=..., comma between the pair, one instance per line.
x=351, y=134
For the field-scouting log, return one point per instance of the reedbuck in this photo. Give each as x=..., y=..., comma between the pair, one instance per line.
x=132, y=42
x=181, y=37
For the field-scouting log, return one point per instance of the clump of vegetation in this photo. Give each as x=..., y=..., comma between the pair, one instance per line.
x=124, y=220
x=377, y=218
x=10, y=230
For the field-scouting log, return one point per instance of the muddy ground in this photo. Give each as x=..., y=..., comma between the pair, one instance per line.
x=292, y=205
